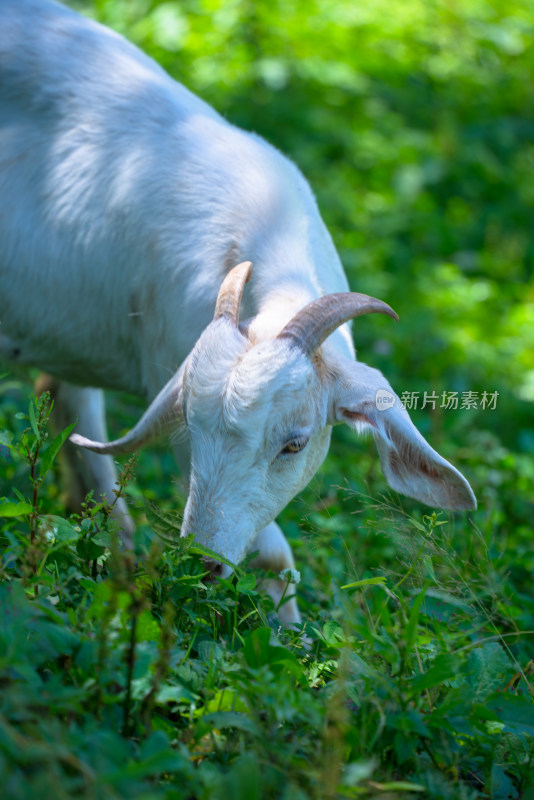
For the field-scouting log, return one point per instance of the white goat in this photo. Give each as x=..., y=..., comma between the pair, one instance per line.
x=124, y=202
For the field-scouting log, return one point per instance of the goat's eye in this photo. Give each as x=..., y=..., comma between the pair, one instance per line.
x=294, y=446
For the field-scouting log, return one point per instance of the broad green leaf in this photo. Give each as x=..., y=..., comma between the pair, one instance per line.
x=501, y=786
x=147, y=628
x=515, y=711
x=444, y=668
x=174, y=693
x=246, y=584
x=53, y=449
x=333, y=634
x=488, y=668
x=60, y=529
x=11, y=509
x=88, y=549
x=408, y=722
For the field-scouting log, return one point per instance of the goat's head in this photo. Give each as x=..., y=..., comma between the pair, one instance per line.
x=259, y=416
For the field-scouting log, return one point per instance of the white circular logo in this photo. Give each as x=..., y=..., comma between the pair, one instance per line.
x=385, y=399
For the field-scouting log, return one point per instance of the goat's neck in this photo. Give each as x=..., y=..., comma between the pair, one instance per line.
x=280, y=305
x=276, y=309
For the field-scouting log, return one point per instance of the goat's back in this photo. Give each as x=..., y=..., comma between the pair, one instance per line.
x=124, y=200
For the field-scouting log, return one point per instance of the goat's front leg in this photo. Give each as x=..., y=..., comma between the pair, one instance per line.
x=83, y=470
x=275, y=554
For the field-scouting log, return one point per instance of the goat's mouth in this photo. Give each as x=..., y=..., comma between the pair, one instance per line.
x=216, y=569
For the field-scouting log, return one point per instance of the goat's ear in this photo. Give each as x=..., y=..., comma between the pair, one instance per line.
x=365, y=401
x=164, y=414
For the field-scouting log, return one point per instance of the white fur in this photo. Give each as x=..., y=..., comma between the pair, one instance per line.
x=124, y=201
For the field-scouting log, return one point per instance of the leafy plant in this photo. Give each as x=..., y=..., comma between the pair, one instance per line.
x=125, y=675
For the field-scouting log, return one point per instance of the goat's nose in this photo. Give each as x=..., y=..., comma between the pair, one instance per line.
x=216, y=570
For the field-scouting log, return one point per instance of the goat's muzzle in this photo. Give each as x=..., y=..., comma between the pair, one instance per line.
x=216, y=569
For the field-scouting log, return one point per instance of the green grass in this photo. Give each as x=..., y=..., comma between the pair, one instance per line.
x=129, y=677
x=125, y=677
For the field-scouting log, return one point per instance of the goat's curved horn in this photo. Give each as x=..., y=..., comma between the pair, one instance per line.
x=231, y=292
x=315, y=322
x=162, y=414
